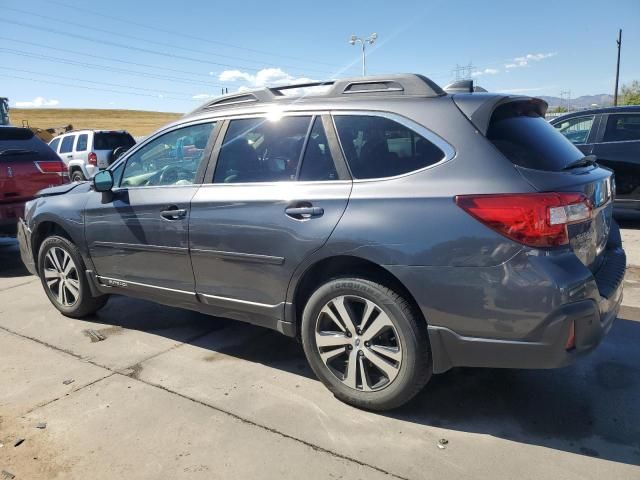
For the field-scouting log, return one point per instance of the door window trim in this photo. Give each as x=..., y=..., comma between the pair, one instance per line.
x=605, y=120
x=447, y=149
x=201, y=168
x=332, y=139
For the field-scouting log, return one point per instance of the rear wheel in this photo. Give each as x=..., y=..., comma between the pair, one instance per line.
x=62, y=275
x=77, y=176
x=366, y=343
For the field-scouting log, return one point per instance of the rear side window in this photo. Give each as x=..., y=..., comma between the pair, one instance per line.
x=262, y=150
x=81, y=144
x=67, y=144
x=576, y=130
x=622, y=128
x=528, y=140
x=378, y=147
x=112, y=140
x=54, y=144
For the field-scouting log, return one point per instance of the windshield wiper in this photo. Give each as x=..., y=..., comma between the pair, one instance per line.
x=16, y=151
x=582, y=162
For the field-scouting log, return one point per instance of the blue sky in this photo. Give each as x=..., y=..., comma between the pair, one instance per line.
x=170, y=56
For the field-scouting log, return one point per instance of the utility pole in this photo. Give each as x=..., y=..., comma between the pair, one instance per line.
x=355, y=39
x=619, y=42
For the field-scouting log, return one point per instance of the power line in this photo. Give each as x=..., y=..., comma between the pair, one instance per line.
x=110, y=59
x=133, y=37
x=105, y=67
x=126, y=47
x=185, y=35
x=97, y=82
x=51, y=82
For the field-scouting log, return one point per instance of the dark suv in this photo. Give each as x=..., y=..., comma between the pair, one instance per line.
x=396, y=229
x=612, y=135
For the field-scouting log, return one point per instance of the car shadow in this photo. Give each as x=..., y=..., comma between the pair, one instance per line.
x=591, y=408
x=10, y=263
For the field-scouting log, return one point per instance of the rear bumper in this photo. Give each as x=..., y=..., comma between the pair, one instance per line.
x=452, y=350
x=26, y=253
x=519, y=314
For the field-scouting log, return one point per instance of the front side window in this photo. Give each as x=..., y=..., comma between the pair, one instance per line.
x=622, y=128
x=54, y=144
x=81, y=144
x=378, y=147
x=262, y=150
x=170, y=159
x=67, y=144
x=576, y=129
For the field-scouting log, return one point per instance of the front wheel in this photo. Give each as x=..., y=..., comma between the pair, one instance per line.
x=62, y=275
x=366, y=343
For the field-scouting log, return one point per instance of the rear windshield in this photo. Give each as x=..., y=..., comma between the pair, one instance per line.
x=112, y=140
x=21, y=144
x=528, y=140
x=11, y=133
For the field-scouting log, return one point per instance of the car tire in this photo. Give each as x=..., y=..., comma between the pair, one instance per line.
x=62, y=274
x=389, y=354
x=77, y=176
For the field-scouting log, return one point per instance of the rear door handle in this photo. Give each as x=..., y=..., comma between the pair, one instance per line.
x=173, y=213
x=300, y=213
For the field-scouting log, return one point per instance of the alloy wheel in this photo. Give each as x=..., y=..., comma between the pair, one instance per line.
x=358, y=342
x=61, y=276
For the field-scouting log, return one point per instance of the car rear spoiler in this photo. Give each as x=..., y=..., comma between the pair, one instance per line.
x=479, y=107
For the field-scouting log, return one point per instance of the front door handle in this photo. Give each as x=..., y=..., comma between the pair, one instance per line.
x=173, y=213
x=300, y=213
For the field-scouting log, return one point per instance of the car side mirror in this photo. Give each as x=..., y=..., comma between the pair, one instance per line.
x=103, y=181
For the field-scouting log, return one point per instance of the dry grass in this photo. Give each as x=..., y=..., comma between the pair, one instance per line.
x=135, y=122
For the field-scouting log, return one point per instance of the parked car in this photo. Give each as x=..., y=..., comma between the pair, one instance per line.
x=26, y=166
x=612, y=135
x=397, y=230
x=87, y=151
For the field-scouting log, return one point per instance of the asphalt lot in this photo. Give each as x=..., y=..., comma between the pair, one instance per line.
x=175, y=394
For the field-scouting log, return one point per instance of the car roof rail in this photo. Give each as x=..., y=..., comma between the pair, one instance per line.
x=408, y=84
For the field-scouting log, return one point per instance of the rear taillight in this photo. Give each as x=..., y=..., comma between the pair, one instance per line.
x=534, y=219
x=571, y=337
x=93, y=159
x=52, y=166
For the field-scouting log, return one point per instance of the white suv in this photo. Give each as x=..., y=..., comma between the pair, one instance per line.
x=87, y=151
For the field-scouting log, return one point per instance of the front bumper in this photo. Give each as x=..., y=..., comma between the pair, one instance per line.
x=26, y=253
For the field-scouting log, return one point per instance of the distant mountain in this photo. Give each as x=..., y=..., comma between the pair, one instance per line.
x=586, y=101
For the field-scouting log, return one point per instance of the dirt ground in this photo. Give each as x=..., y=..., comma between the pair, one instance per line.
x=136, y=122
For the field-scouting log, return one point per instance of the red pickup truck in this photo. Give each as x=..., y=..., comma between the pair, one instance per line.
x=27, y=165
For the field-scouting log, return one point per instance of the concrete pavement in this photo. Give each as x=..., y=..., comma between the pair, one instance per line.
x=175, y=394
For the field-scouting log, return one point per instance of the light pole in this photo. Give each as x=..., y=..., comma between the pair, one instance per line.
x=363, y=41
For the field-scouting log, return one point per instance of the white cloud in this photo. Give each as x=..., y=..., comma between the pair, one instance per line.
x=202, y=96
x=525, y=60
x=267, y=77
x=486, y=71
x=38, y=102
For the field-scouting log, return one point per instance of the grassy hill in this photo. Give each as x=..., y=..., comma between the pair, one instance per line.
x=135, y=122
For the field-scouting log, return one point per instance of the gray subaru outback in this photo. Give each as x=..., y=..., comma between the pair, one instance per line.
x=397, y=229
